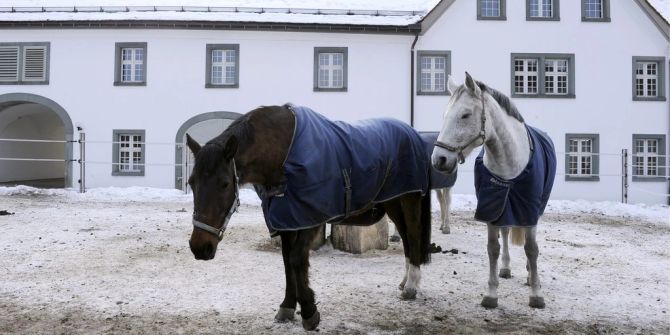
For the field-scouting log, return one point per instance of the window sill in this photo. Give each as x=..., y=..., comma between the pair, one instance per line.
x=528, y=18
x=491, y=18
x=544, y=96
x=129, y=174
x=222, y=86
x=605, y=19
x=589, y=178
x=445, y=93
x=636, y=98
x=120, y=83
x=46, y=82
x=320, y=89
x=648, y=179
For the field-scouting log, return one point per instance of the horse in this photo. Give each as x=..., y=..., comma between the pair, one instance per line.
x=514, y=174
x=309, y=171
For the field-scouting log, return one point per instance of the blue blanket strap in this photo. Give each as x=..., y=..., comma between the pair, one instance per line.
x=347, y=192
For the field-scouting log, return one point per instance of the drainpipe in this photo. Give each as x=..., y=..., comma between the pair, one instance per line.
x=411, y=89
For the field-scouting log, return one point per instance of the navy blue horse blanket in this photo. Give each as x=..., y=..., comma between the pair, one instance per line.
x=518, y=202
x=335, y=170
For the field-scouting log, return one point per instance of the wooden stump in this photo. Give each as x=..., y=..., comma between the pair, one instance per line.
x=318, y=242
x=359, y=239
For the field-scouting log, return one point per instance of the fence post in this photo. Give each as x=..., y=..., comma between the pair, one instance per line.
x=624, y=176
x=82, y=162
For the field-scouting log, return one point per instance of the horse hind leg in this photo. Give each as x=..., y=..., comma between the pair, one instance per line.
x=536, y=299
x=505, y=269
x=490, y=300
x=444, y=198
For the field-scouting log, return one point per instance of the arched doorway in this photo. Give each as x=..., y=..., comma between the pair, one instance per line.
x=202, y=128
x=30, y=116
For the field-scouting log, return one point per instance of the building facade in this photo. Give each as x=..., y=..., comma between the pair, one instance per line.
x=593, y=74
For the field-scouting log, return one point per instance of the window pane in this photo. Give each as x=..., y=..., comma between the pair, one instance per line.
x=593, y=9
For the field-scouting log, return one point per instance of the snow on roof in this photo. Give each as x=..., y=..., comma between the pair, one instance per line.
x=357, y=12
x=662, y=7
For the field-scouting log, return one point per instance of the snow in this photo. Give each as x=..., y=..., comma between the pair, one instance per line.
x=663, y=7
x=390, y=12
x=117, y=261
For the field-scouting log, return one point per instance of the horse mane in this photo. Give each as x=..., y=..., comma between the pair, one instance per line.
x=503, y=101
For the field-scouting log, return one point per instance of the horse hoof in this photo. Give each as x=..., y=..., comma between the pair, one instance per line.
x=408, y=294
x=285, y=314
x=445, y=230
x=505, y=273
x=536, y=302
x=489, y=302
x=313, y=322
x=395, y=238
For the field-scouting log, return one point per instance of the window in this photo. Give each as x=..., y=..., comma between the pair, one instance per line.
x=433, y=67
x=596, y=10
x=491, y=10
x=542, y=10
x=128, y=152
x=223, y=67
x=330, y=69
x=649, y=78
x=543, y=75
x=24, y=63
x=649, y=157
x=581, y=157
x=131, y=64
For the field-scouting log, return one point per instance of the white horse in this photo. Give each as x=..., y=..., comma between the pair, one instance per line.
x=479, y=115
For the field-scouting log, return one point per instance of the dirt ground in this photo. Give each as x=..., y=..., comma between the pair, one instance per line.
x=71, y=266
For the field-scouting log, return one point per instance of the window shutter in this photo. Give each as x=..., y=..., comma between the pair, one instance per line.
x=34, y=63
x=9, y=63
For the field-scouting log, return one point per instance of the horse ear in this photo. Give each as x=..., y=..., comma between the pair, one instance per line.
x=451, y=85
x=472, y=85
x=230, y=148
x=192, y=144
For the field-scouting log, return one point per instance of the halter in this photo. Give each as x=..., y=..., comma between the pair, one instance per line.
x=218, y=232
x=459, y=149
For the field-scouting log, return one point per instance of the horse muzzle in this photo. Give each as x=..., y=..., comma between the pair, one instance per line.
x=444, y=163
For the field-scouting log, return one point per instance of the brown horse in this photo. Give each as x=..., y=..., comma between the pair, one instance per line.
x=253, y=150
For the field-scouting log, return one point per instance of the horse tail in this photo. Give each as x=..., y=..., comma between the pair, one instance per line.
x=518, y=236
x=425, y=227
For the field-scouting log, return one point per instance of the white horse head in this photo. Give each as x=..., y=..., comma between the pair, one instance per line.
x=464, y=125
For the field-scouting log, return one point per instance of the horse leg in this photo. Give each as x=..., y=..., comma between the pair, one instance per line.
x=411, y=210
x=505, y=269
x=299, y=260
x=396, y=236
x=287, y=308
x=493, y=247
x=394, y=212
x=532, y=251
x=444, y=197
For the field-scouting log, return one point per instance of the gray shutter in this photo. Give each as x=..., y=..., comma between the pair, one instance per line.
x=34, y=63
x=9, y=63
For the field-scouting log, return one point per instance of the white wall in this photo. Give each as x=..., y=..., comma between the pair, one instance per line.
x=275, y=68
x=603, y=65
x=31, y=121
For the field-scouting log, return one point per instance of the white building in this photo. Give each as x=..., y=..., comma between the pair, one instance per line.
x=592, y=73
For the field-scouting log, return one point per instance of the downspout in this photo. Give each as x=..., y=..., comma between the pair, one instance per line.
x=411, y=89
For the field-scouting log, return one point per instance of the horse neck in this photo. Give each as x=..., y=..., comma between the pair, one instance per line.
x=260, y=161
x=507, y=147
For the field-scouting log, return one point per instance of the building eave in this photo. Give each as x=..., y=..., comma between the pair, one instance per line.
x=655, y=17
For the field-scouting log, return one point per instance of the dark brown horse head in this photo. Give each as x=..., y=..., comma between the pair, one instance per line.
x=215, y=193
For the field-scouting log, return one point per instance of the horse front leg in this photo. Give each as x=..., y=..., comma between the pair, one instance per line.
x=444, y=197
x=505, y=269
x=493, y=247
x=299, y=259
x=287, y=308
x=532, y=252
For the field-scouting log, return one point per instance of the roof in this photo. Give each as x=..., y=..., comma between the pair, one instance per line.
x=379, y=13
x=662, y=7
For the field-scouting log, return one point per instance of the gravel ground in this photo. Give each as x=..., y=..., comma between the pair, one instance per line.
x=73, y=266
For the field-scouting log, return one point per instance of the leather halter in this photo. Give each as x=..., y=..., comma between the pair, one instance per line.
x=459, y=149
x=218, y=232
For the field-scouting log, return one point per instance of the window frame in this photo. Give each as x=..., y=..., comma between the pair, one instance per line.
x=116, y=148
x=661, y=154
x=605, y=9
x=595, y=157
x=208, y=68
x=660, y=78
x=117, y=63
x=556, y=10
x=21, y=63
x=447, y=69
x=345, y=68
x=501, y=17
x=541, y=57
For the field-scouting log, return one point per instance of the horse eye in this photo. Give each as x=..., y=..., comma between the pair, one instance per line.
x=465, y=116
